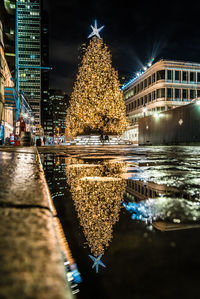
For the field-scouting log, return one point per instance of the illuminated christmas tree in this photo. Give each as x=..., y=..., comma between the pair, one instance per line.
x=97, y=105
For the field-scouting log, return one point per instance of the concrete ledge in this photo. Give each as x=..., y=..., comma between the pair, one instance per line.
x=31, y=264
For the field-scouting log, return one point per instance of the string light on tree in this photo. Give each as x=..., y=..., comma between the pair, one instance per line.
x=96, y=105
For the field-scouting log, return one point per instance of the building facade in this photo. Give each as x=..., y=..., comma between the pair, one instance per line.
x=7, y=16
x=7, y=102
x=60, y=103
x=163, y=86
x=28, y=53
x=46, y=104
x=1, y=71
x=173, y=127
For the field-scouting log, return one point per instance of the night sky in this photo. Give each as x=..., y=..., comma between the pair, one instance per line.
x=134, y=31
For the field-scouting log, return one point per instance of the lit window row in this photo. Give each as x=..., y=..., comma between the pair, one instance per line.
x=169, y=94
x=30, y=87
x=176, y=76
x=28, y=75
x=29, y=52
x=31, y=31
x=28, y=62
x=26, y=82
x=28, y=26
x=30, y=40
x=140, y=188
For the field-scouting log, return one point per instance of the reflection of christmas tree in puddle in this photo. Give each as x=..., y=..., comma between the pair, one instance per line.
x=98, y=205
x=97, y=191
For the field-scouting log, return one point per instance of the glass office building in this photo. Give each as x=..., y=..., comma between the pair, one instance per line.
x=28, y=53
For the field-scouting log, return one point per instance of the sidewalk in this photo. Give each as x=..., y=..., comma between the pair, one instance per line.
x=31, y=265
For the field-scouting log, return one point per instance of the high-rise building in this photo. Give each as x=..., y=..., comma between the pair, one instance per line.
x=46, y=104
x=60, y=103
x=28, y=53
x=7, y=16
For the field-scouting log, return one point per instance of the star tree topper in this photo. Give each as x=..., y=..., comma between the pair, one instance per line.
x=97, y=261
x=95, y=30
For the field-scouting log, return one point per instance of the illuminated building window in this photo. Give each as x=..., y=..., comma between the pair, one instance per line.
x=149, y=97
x=169, y=75
x=192, y=94
x=192, y=77
x=162, y=92
x=177, y=93
x=185, y=76
x=153, y=78
x=153, y=95
x=161, y=75
x=184, y=94
x=158, y=93
x=177, y=75
x=149, y=80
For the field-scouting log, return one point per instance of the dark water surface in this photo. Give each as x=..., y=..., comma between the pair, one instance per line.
x=137, y=207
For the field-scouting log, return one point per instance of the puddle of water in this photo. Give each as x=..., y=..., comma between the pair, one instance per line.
x=136, y=212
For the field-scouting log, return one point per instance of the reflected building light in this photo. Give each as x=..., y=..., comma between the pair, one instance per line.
x=156, y=115
x=173, y=210
x=198, y=102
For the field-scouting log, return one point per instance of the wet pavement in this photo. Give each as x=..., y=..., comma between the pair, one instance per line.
x=31, y=265
x=138, y=209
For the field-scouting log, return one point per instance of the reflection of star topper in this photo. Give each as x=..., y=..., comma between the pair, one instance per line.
x=97, y=261
x=95, y=30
